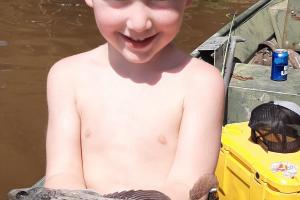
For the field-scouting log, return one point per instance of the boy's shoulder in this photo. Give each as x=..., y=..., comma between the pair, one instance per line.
x=193, y=69
x=201, y=72
x=84, y=58
x=78, y=63
x=203, y=85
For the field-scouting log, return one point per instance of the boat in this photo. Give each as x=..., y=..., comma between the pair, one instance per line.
x=242, y=51
x=233, y=47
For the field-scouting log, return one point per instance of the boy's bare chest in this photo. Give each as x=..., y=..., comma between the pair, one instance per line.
x=130, y=126
x=124, y=106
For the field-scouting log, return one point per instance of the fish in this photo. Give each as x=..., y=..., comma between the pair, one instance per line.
x=206, y=184
x=42, y=193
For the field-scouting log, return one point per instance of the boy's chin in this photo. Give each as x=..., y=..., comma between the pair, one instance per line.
x=137, y=58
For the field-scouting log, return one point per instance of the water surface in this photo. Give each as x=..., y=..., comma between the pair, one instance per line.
x=40, y=32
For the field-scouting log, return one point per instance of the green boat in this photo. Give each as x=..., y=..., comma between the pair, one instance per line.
x=249, y=84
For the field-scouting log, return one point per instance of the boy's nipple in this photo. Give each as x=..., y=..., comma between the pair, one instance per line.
x=162, y=139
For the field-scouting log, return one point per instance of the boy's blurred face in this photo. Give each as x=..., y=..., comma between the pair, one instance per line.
x=138, y=29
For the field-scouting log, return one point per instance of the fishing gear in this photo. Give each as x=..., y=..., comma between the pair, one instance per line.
x=227, y=45
x=228, y=64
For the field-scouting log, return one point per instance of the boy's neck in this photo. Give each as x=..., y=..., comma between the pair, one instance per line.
x=168, y=59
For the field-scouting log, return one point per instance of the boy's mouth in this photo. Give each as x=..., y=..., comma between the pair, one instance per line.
x=138, y=43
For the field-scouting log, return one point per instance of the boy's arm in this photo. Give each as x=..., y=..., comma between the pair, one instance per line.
x=200, y=131
x=63, y=147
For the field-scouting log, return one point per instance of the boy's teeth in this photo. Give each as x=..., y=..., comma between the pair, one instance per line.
x=139, y=40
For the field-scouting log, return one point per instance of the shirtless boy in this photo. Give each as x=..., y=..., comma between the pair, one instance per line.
x=136, y=112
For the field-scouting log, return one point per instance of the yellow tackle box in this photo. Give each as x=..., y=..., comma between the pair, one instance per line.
x=246, y=171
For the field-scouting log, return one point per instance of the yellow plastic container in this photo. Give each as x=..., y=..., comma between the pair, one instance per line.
x=245, y=171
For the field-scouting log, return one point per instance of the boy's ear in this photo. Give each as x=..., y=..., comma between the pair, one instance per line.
x=89, y=3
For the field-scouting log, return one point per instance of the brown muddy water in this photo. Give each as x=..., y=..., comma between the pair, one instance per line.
x=40, y=32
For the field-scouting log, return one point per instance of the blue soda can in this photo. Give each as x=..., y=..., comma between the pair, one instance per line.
x=280, y=61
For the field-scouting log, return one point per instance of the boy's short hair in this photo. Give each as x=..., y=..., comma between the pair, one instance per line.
x=276, y=126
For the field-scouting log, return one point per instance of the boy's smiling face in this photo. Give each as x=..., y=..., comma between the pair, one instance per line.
x=138, y=29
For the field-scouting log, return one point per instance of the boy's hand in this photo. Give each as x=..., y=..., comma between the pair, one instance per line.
x=203, y=186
